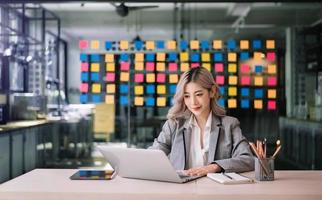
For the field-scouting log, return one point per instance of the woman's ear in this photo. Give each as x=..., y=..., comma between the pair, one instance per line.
x=213, y=91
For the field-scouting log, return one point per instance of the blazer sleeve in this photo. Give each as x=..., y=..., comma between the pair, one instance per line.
x=242, y=159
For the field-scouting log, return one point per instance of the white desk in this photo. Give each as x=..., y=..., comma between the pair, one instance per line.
x=51, y=184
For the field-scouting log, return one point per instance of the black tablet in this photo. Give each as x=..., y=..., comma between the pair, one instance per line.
x=93, y=175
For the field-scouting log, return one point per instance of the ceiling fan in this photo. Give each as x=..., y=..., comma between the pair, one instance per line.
x=123, y=10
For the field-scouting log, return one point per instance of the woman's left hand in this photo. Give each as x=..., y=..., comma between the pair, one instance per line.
x=204, y=170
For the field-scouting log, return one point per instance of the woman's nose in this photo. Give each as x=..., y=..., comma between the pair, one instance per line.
x=193, y=100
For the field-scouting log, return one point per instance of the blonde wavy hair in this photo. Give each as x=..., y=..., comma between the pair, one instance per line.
x=204, y=78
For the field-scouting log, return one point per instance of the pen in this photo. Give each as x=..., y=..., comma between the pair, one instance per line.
x=265, y=144
x=227, y=176
x=252, y=145
x=276, y=151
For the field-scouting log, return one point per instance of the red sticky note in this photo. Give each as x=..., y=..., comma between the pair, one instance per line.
x=219, y=67
x=84, y=67
x=220, y=80
x=270, y=56
x=245, y=80
x=271, y=105
x=271, y=81
x=138, y=78
x=194, y=65
x=149, y=66
x=244, y=68
x=83, y=44
x=110, y=77
x=161, y=78
x=84, y=87
x=173, y=67
x=125, y=66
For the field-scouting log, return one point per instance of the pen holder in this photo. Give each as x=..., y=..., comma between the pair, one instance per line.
x=264, y=169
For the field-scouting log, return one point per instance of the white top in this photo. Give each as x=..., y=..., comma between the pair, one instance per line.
x=199, y=156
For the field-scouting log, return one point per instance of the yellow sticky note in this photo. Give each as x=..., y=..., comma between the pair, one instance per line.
x=124, y=76
x=232, y=67
x=160, y=56
x=110, y=67
x=95, y=67
x=138, y=101
x=217, y=44
x=207, y=66
x=160, y=66
x=173, y=78
x=150, y=78
x=244, y=44
x=161, y=101
x=184, y=67
x=109, y=57
x=149, y=45
x=271, y=93
x=139, y=57
x=205, y=57
x=95, y=44
x=96, y=88
x=110, y=88
x=109, y=99
x=232, y=80
x=232, y=103
x=194, y=44
x=184, y=56
x=232, y=57
x=258, y=56
x=171, y=44
x=258, y=81
x=232, y=91
x=270, y=44
x=271, y=69
x=138, y=90
x=258, y=104
x=124, y=45
x=161, y=89
x=139, y=66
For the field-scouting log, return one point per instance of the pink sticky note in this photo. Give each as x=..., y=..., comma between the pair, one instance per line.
x=271, y=105
x=125, y=66
x=161, y=78
x=219, y=67
x=220, y=80
x=84, y=67
x=245, y=80
x=83, y=44
x=270, y=56
x=149, y=66
x=84, y=87
x=194, y=65
x=110, y=77
x=271, y=81
x=138, y=78
x=244, y=68
x=173, y=67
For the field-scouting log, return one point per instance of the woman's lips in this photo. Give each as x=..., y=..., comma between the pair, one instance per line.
x=196, y=108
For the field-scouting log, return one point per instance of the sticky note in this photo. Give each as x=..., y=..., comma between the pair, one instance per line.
x=232, y=57
x=161, y=89
x=160, y=66
x=95, y=44
x=83, y=57
x=173, y=78
x=258, y=93
x=231, y=44
x=124, y=45
x=83, y=98
x=232, y=67
x=124, y=89
x=194, y=44
x=124, y=100
x=124, y=57
x=160, y=44
x=109, y=57
x=221, y=102
x=232, y=80
x=124, y=76
x=84, y=67
x=138, y=101
x=95, y=58
x=244, y=92
x=125, y=66
x=109, y=99
x=110, y=88
x=220, y=80
x=110, y=77
x=270, y=56
x=110, y=67
x=270, y=44
x=244, y=44
x=149, y=45
x=184, y=56
x=194, y=57
x=84, y=87
x=183, y=44
x=204, y=45
x=271, y=93
x=194, y=65
x=258, y=56
x=161, y=101
x=149, y=66
x=172, y=57
x=150, y=78
x=171, y=44
x=258, y=81
x=258, y=69
x=83, y=44
x=244, y=68
x=139, y=57
x=150, y=89
x=205, y=57
x=217, y=44
x=138, y=44
x=245, y=80
x=219, y=67
x=218, y=57
x=138, y=66
x=95, y=67
x=96, y=88
x=172, y=89
x=160, y=56
x=244, y=56
x=271, y=81
x=161, y=78
x=232, y=103
x=108, y=45
x=84, y=76
x=207, y=66
x=149, y=101
x=173, y=67
x=271, y=69
x=257, y=44
x=150, y=57
x=138, y=90
x=258, y=104
x=271, y=105
x=184, y=67
x=96, y=98
x=232, y=91
x=244, y=103
x=95, y=76
x=138, y=78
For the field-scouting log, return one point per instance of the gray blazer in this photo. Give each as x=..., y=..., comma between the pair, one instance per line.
x=229, y=149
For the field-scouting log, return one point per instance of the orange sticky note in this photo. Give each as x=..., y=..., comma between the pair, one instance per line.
x=110, y=67
x=110, y=88
x=161, y=89
x=138, y=101
x=258, y=56
x=109, y=99
x=171, y=44
x=160, y=66
x=205, y=57
x=258, y=81
x=109, y=57
x=95, y=44
x=232, y=80
x=173, y=78
x=161, y=101
x=96, y=88
x=207, y=66
x=160, y=56
x=139, y=57
x=139, y=66
x=138, y=90
x=271, y=69
x=271, y=93
x=232, y=67
x=270, y=44
x=149, y=45
x=95, y=67
x=217, y=44
x=150, y=78
x=232, y=103
x=194, y=44
x=124, y=45
x=232, y=57
x=184, y=67
x=124, y=76
x=184, y=56
x=244, y=44
x=258, y=104
x=232, y=91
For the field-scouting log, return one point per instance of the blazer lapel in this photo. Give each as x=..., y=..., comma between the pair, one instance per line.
x=214, y=137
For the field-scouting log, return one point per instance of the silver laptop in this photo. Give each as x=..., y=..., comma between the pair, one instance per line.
x=145, y=164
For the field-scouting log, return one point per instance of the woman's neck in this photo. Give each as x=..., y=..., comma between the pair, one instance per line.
x=202, y=119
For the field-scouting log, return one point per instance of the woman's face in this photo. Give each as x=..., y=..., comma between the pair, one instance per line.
x=197, y=99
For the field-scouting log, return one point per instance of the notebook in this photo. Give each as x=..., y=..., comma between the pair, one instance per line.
x=229, y=178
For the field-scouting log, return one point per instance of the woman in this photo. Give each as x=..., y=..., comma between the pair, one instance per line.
x=198, y=137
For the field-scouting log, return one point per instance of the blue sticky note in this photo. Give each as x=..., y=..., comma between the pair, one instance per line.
x=171, y=101
x=149, y=101
x=172, y=57
x=194, y=57
x=218, y=56
x=222, y=90
x=96, y=98
x=160, y=44
x=258, y=69
x=138, y=44
x=124, y=89
x=221, y=102
x=172, y=89
x=124, y=57
x=257, y=44
x=83, y=98
x=204, y=44
x=149, y=57
x=183, y=45
x=83, y=57
x=244, y=56
x=244, y=103
x=258, y=93
x=231, y=44
x=84, y=76
x=95, y=76
x=124, y=100
x=95, y=58
x=150, y=89
x=245, y=92
x=108, y=45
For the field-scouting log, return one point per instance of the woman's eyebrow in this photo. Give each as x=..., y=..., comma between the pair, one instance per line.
x=194, y=91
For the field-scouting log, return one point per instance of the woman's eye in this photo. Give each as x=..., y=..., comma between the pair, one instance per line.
x=199, y=94
x=186, y=97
